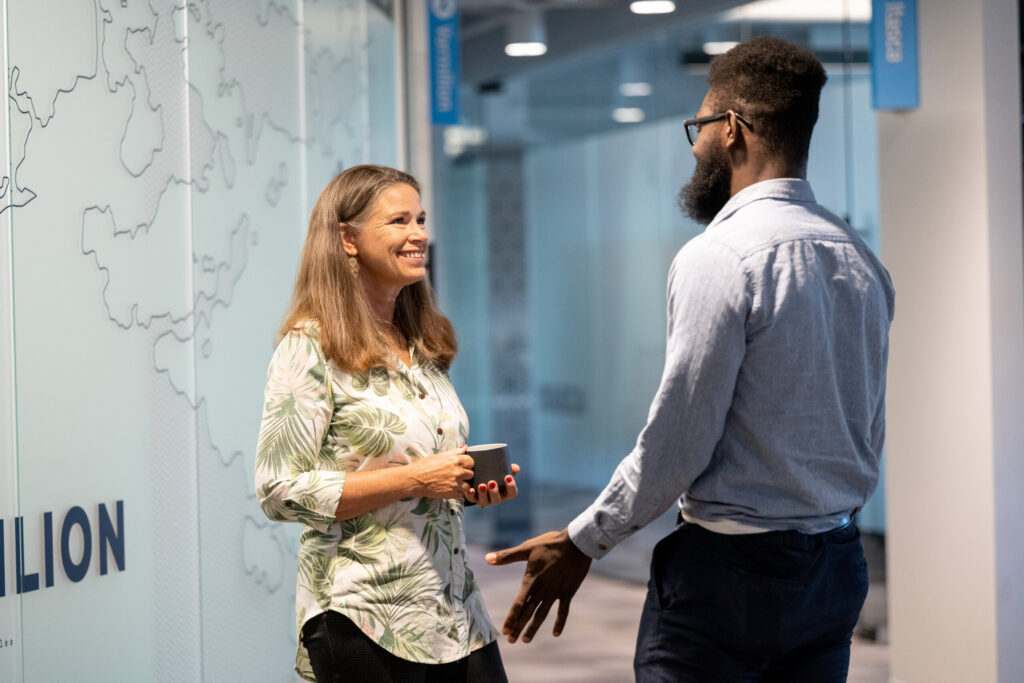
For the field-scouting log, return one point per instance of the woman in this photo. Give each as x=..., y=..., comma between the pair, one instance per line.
x=363, y=441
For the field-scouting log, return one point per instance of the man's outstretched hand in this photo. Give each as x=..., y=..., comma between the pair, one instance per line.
x=555, y=568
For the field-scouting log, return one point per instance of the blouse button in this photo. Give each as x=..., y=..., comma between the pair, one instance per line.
x=440, y=432
x=422, y=396
x=456, y=551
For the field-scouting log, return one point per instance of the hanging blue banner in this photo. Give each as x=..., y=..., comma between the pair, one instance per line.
x=894, y=68
x=444, y=62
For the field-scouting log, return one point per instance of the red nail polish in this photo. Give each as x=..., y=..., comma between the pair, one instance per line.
x=508, y=480
x=493, y=486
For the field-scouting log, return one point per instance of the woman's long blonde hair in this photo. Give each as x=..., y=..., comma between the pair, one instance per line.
x=327, y=291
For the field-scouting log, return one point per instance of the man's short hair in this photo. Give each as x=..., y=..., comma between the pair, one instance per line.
x=774, y=84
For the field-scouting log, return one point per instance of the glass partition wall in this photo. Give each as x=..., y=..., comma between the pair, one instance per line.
x=160, y=163
x=557, y=224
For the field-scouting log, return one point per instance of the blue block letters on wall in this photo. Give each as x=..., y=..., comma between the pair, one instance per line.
x=109, y=538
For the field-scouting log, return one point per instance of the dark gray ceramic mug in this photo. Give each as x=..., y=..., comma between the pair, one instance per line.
x=490, y=463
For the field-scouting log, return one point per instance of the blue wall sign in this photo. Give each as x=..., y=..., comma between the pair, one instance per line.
x=894, y=68
x=444, y=61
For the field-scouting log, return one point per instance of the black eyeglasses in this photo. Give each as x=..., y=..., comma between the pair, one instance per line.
x=693, y=126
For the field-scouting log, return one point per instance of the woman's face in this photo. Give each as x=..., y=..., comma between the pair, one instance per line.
x=392, y=245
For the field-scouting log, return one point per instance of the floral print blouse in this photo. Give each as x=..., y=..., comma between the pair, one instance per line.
x=400, y=572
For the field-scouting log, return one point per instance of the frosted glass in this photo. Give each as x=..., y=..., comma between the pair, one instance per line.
x=159, y=165
x=10, y=604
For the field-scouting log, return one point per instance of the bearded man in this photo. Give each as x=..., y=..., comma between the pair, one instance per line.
x=768, y=425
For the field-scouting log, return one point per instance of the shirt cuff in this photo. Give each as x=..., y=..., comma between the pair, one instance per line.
x=319, y=503
x=586, y=535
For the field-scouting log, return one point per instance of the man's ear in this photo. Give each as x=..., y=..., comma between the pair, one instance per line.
x=733, y=131
x=348, y=239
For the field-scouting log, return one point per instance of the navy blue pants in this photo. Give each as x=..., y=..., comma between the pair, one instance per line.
x=770, y=607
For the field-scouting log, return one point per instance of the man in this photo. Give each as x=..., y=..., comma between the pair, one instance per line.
x=769, y=420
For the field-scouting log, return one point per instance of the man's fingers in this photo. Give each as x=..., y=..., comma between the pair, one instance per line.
x=538, y=618
x=517, y=605
x=563, y=614
x=514, y=620
x=518, y=617
x=518, y=554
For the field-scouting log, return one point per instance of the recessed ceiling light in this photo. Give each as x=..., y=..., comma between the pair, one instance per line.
x=652, y=6
x=628, y=114
x=718, y=47
x=525, y=49
x=635, y=89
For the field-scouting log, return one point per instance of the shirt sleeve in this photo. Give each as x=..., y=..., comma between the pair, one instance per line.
x=296, y=481
x=708, y=304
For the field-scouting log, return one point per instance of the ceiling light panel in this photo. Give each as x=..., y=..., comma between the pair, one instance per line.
x=628, y=114
x=652, y=6
x=639, y=89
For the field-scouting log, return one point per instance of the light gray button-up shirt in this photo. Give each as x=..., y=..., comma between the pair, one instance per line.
x=771, y=408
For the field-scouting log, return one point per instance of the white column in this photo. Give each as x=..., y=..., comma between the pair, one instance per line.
x=951, y=217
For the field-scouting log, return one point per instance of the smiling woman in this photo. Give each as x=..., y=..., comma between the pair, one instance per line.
x=389, y=245
x=359, y=277
x=363, y=442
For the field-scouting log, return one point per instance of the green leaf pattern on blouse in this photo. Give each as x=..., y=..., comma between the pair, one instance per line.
x=393, y=571
x=370, y=430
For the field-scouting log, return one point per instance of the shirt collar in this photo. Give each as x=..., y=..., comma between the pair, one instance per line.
x=787, y=189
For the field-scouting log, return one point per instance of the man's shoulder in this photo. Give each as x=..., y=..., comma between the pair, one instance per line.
x=708, y=247
x=707, y=263
x=771, y=221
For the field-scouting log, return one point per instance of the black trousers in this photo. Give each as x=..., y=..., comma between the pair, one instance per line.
x=770, y=607
x=340, y=652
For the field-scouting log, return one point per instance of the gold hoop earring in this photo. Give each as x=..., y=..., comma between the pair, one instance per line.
x=353, y=265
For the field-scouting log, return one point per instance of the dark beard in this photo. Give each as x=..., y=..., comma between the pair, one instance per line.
x=709, y=188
